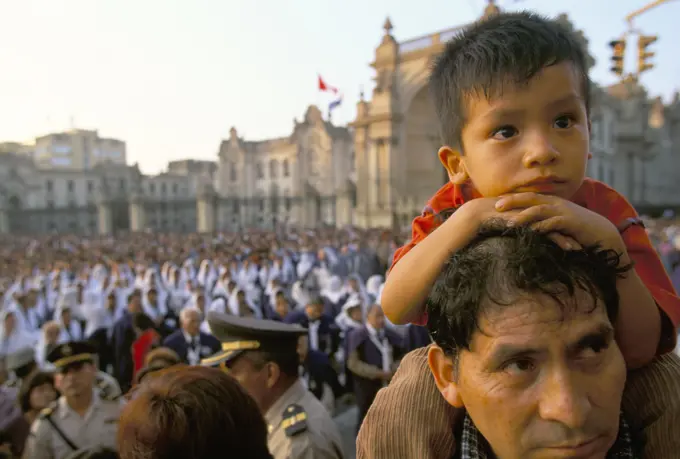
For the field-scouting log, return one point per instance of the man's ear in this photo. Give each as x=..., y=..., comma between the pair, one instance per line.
x=444, y=372
x=273, y=374
x=452, y=161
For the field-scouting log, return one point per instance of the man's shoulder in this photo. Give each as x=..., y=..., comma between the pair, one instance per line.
x=308, y=425
x=173, y=337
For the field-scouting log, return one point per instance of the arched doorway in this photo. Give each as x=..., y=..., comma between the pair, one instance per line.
x=423, y=171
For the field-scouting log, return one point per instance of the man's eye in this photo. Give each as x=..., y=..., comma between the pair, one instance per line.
x=564, y=122
x=519, y=366
x=504, y=133
x=594, y=350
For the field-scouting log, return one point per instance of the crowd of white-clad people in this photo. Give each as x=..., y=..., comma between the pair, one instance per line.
x=134, y=293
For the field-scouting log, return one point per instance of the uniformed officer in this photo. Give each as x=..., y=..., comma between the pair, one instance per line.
x=80, y=418
x=262, y=356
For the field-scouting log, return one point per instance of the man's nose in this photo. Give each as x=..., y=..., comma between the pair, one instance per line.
x=564, y=400
x=539, y=149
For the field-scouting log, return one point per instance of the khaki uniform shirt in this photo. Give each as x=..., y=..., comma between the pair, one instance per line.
x=318, y=438
x=98, y=427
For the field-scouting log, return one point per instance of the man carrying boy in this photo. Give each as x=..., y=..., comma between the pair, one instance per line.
x=512, y=96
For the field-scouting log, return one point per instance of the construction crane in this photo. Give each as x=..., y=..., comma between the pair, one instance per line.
x=644, y=9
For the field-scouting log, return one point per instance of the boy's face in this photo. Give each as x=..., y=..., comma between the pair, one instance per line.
x=529, y=138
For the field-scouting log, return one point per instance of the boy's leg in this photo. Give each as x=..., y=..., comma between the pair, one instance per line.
x=652, y=401
x=409, y=418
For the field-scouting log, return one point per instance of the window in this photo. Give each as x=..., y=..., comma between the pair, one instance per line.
x=70, y=185
x=233, y=176
x=152, y=188
x=273, y=168
x=50, y=204
x=164, y=189
x=175, y=188
x=122, y=184
x=235, y=207
x=90, y=186
x=49, y=185
x=286, y=168
x=259, y=170
x=261, y=204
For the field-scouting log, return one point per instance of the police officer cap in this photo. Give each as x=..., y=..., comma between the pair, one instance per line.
x=72, y=352
x=20, y=358
x=239, y=334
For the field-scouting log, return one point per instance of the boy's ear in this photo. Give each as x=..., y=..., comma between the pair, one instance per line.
x=452, y=161
x=443, y=370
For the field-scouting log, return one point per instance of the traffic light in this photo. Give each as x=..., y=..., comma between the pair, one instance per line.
x=643, y=54
x=619, y=50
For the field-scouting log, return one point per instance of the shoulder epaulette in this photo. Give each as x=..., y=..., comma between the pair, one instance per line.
x=294, y=420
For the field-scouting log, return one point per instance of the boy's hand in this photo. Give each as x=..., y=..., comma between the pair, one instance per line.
x=482, y=209
x=551, y=214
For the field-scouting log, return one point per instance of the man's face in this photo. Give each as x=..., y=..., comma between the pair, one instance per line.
x=191, y=323
x=537, y=131
x=541, y=380
x=314, y=311
x=75, y=379
x=256, y=377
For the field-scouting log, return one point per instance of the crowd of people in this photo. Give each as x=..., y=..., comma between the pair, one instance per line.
x=143, y=300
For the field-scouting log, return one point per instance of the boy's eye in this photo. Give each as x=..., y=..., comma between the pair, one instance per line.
x=504, y=132
x=563, y=122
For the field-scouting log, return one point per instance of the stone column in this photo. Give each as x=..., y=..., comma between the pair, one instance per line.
x=206, y=210
x=105, y=217
x=137, y=214
x=343, y=206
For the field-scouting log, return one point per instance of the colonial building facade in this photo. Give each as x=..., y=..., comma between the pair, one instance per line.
x=635, y=140
x=304, y=179
x=377, y=172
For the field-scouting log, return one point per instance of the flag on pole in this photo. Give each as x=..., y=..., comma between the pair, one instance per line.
x=337, y=96
x=326, y=88
x=335, y=103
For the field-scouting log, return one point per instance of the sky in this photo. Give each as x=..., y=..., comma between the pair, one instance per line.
x=171, y=77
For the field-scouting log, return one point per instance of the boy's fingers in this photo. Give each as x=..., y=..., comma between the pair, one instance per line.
x=522, y=200
x=565, y=242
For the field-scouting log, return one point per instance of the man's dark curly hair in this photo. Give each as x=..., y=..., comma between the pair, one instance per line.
x=503, y=263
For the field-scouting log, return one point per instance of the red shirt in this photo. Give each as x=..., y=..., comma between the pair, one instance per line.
x=592, y=195
x=142, y=346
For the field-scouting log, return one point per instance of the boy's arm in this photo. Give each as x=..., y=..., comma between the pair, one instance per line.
x=652, y=274
x=411, y=279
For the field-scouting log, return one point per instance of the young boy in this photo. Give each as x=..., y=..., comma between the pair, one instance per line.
x=512, y=97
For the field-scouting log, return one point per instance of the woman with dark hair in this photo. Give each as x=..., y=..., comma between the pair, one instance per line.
x=169, y=408
x=36, y=394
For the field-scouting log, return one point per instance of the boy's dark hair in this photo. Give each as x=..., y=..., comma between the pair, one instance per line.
x=507, y=48
x=501, y=264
